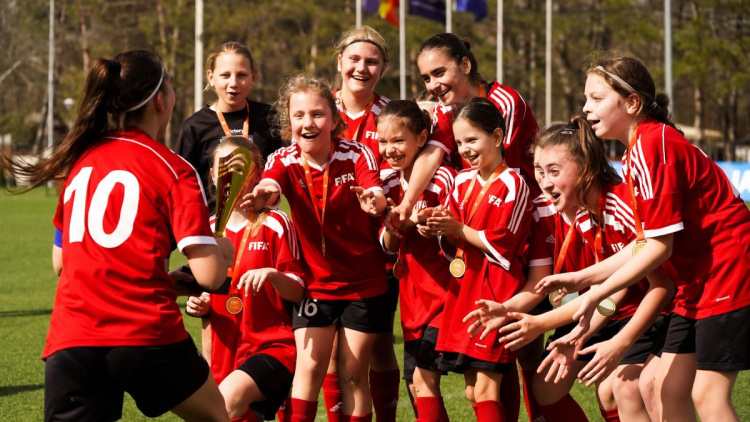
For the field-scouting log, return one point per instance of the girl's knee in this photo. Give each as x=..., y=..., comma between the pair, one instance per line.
x=626, y=390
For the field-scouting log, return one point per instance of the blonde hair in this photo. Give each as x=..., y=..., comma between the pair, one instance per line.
x=230, y=47
x=362, y=34
x=303, y=82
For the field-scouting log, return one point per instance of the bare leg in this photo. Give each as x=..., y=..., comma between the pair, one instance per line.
x=712, y=393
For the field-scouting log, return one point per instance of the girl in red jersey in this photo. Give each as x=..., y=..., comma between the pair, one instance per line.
x=451, y=74
x=253, y=346
x=116, y=326
x=334, y=192
x=487, y=218
x=578, y=181
x=231, y=71
x=694, y=219
x=424, y=278
x=362, y=56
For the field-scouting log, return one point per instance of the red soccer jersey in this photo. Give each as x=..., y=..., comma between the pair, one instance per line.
x=264, y=325
x=502, y=220
x=364, y=124
x=126, y=200
x=680, y=190
x=353, y=265
x=618, y=230
x=520, y=130
x=422, y=291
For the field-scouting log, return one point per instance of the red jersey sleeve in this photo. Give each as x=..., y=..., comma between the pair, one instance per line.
x=287, y=247
x=541, y=250
x=275, y=171
x=367, y=169
x=510, y=223
x=188, y=212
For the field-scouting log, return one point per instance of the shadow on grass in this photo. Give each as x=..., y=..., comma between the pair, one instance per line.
x=33, y=312
x=16, y=389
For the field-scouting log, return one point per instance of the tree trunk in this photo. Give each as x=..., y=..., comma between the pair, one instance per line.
x=698, y=120
x=84, y=38
x=730, y=135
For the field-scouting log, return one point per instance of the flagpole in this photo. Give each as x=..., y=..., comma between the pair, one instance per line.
x=51, y=83
x=668, y=51
x=548, y=68
x=499, y=58
x=448, y=16
x=402, y=48
x=359, y=12
x=198, y=53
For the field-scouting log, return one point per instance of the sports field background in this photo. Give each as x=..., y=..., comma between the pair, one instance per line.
x=27, y=288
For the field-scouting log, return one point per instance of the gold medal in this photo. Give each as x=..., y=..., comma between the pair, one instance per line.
x=457, y=267
x=606, y=307
x=400, y=270
x=638, y=246
x=234, y=305
x=555, y=303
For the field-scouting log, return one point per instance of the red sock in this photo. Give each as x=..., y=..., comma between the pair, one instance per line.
x=564, y=410
x=533, y=410
x=490, y=411
x=431, y=409
x=352, y=418
x=476, y=411
x=249, y=416
x=511, y=394
x=610, y=415
x=285, y=411
x=384, y=390
x=332, y=396
x=444, y=414
x=303, y=410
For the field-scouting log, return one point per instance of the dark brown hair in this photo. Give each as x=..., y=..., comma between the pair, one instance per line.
x=112, y=89
x=586, y=150
x=481, y=113
x=455, y=49
x=411, y=115
x=634, y=73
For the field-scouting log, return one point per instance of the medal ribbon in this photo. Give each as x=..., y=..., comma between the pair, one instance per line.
x=640, y=237
x=235, y=270
x=346, y=117
x=402, y=241
x=245, y=124
x=598, y=251
x=501, y=168
x=320, y=212
x=564, y=248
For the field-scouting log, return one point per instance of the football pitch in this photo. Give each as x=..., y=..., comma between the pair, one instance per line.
x=27, y=289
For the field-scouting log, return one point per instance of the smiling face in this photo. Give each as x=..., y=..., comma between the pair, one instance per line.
x=361, y=66
x=232, y=77
x=397, y=143
x=607, y=111
x=312, y=121
x=445, y=78
x=479, y=148
x=557, y=175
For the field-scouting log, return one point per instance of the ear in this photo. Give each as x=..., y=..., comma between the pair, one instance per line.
x=338, y=63
x=159, y=101
x=254, y=77
x=633, y=104
x=382, y=70
x=499, y=135
x=422, y=138
x=209, y=77
x=465, y=65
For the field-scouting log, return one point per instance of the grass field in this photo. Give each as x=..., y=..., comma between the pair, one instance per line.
x=27, y=288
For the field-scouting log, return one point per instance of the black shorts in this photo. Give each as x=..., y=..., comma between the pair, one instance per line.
x=369, y=315
x=392, y=293
x=460, y=363
x=88, y=383
x=680, y=336
x=722, y=342
x=273, y=379
x=647, y=344
x=421, y=353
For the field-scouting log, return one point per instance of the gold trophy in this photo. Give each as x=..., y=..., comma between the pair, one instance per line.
x=234, y=174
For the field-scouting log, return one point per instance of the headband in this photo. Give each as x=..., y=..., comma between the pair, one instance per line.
x=618, y=79
x=385, y=57
x=142, y=103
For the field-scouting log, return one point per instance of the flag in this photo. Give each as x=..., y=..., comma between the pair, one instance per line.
x=430, y=9
x=389, y=11
x=370, y=6
x=477, y=7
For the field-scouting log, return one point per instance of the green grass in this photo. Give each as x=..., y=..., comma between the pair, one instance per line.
x=27, y=288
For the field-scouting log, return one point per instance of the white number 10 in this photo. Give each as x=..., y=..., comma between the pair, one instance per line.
x=99, y=201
